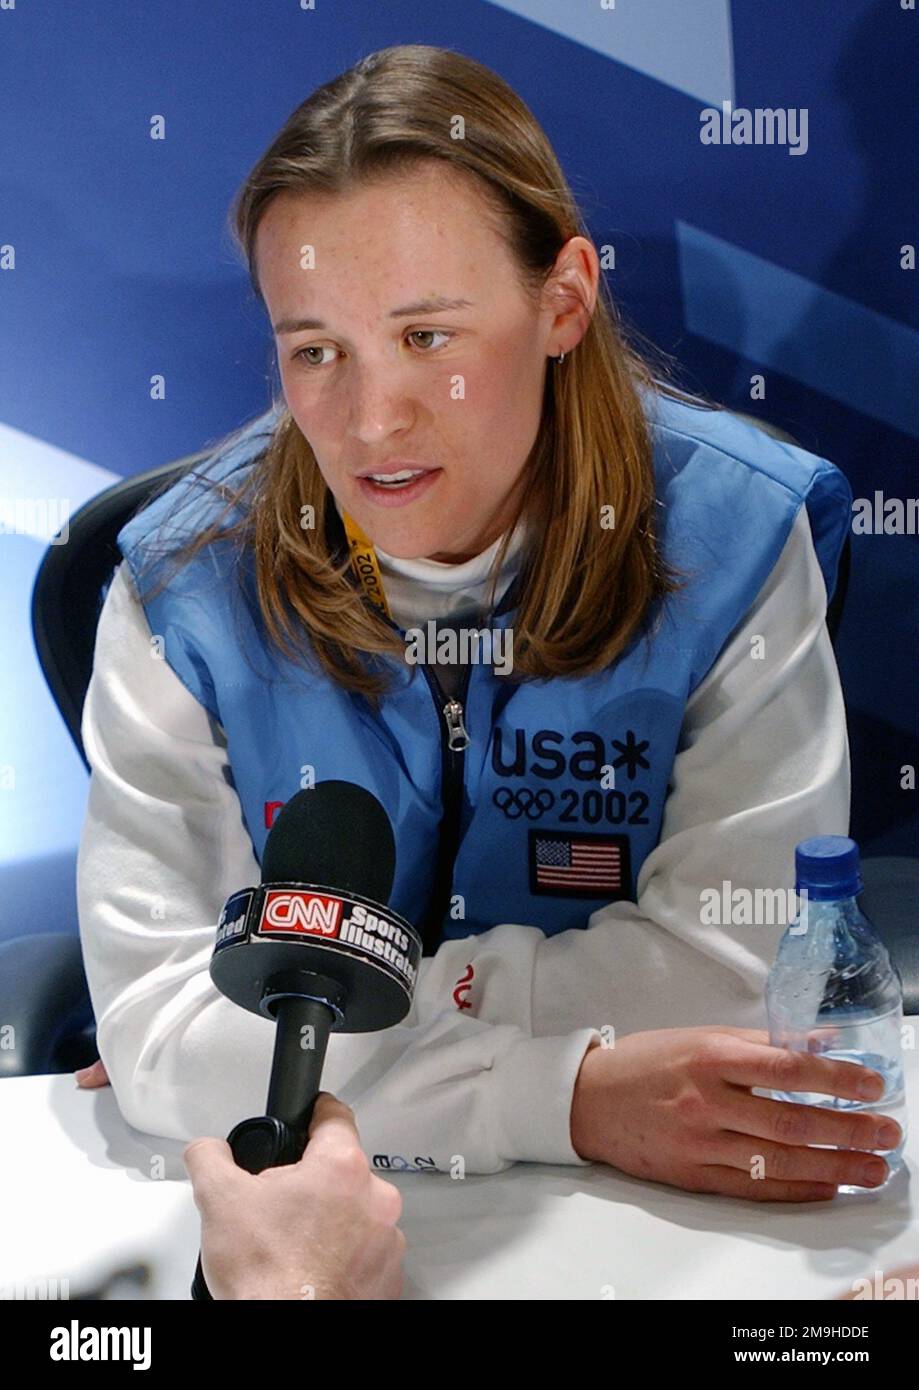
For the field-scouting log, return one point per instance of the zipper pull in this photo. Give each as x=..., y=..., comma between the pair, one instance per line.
x=459, y=737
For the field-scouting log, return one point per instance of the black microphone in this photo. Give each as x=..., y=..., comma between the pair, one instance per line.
x=316, y=948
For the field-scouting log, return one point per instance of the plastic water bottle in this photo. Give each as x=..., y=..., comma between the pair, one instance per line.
x=833, y=989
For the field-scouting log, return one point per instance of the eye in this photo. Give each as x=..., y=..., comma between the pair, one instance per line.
x=299, y=356
x=428, y=332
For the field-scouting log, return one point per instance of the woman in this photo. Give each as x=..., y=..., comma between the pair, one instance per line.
x=462, y=415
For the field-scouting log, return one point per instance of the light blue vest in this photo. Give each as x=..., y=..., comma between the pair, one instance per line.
x=535, y=826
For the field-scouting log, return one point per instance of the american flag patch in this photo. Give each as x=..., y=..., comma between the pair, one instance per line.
x=569, y=864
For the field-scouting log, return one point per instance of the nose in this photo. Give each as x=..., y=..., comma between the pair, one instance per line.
x=379, y=405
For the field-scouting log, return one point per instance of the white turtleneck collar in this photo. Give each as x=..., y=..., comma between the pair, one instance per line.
x=420, y=589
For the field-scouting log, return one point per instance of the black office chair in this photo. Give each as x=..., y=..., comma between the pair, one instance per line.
x=43, y=988
x=72, y=582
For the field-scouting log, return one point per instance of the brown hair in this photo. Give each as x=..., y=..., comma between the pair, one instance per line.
x=585, y=591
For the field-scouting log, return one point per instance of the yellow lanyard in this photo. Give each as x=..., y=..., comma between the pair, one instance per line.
x=365, y=564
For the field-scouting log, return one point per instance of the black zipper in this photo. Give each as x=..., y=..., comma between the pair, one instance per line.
x=454, y=741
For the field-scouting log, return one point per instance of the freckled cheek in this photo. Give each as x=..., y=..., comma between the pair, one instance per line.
x=504, y=421
x=484, y=405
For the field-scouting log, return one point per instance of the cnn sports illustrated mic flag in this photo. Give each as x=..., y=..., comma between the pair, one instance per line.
x=315, y=947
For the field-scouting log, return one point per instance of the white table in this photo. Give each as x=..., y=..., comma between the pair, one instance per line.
x=83, y=1194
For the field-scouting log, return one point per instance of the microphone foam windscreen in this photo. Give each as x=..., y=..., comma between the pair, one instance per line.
x=336, y=834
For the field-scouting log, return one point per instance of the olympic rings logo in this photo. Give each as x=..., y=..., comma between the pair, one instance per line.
x=523, y=802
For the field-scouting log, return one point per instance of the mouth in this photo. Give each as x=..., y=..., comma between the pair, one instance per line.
x=400, y=487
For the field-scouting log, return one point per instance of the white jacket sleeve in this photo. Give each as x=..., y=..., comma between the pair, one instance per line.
x=762, y=763
x=163, y=845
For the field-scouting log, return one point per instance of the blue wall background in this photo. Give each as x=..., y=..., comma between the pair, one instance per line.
x=124, y=267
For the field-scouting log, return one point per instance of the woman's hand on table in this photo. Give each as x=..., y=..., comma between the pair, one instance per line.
x=675, y=1106
x=92, y=1077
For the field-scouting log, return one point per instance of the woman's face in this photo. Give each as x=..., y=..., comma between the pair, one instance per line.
x=409, y=344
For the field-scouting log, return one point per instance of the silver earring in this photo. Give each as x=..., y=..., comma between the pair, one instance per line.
x=560, y=358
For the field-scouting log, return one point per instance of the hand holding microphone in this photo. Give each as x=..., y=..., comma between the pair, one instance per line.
x=322, y=1228
x=316, y=948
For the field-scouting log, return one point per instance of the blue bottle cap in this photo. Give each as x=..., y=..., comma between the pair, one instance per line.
x=828, y=867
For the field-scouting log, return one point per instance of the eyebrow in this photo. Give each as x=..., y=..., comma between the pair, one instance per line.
x=423, y=306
